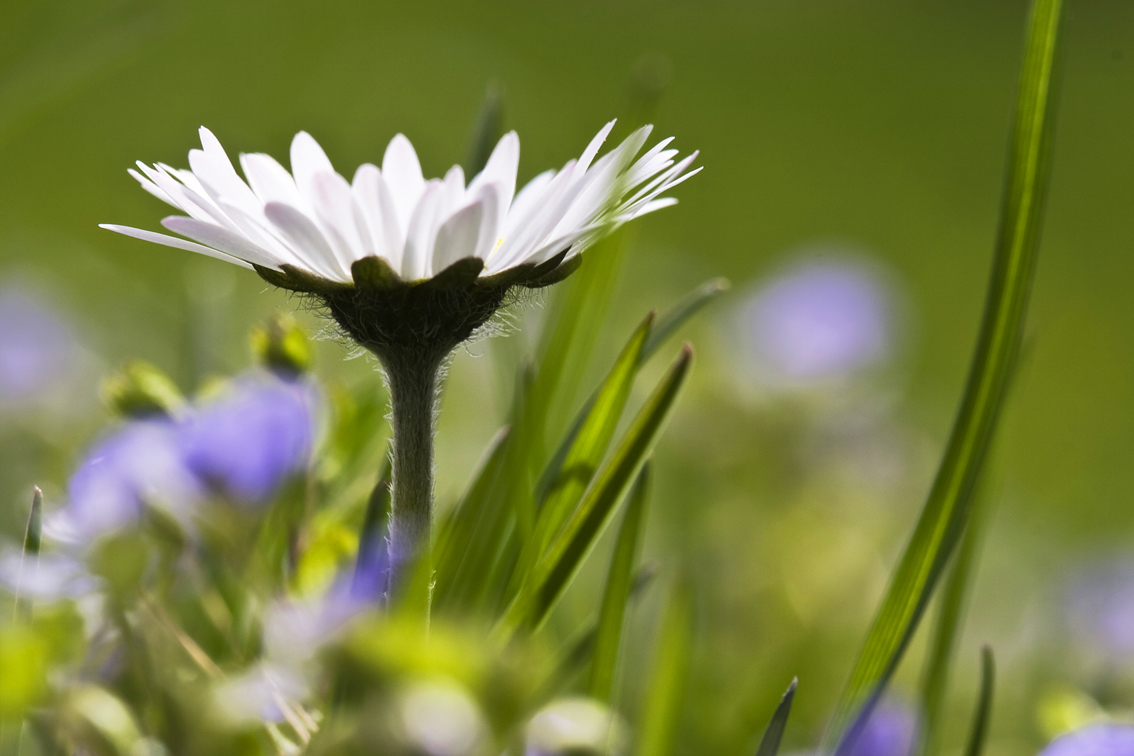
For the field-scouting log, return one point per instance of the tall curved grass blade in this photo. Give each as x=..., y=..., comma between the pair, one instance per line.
x=29, y=557
x=371, y=545
x=587, y=449
x=467, y=542
x=663, y=328
x=546, y=581
x=947, y=508
x=951, y=611
x=661, y=713
x=677, y=315
x=487, y=131
x=619, y=583
x=979, y=732
x=770, y=743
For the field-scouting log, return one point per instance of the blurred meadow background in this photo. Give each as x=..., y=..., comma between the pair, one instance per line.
x=853, y=153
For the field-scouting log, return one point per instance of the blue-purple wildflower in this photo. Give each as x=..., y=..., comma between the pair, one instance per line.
x=38, y=350
x=1100, y=609
x=1094, y=740
x=249, y=442
x=817, y=321
x=890, y=731
x=139, y=464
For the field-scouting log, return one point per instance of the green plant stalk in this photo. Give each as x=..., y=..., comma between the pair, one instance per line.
x=619, y=583
x=661, y=713
x=770, y=743
x=947, y=508
x=978, y=735
x=413, y=410
x=29, y=557
x=951, y=611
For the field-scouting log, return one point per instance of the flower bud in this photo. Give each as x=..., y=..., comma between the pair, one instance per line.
x=140, y=389
x=282, y=346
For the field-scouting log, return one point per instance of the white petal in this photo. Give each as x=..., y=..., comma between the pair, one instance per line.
x=307, y=161
x=525, y=232
x=334, y=206
x=492, y=197
x=402, y=171
x=501, y=169
x=593, y=148
x=215, y=172
x=221, y=238
x=269, y=180
x=151, y=187
x=527, y=197
x=173, y=241
x=306, y=239
x=421, y=233
x=369, y=187
x=457, y=238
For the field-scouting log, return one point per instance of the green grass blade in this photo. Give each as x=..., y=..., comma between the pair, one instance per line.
x=950, y=618
x=661, y=713
x=588, y=446
x=770, y=743
x=663, y=328
x=469, y=539
x=377, y=510
x=619, y=583
x=675, y=317
x=487, y=131
x=29, y=558
x=548, y=578
x=947, y=508
x=979, y=732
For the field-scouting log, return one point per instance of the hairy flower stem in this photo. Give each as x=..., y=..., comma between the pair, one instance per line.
x=413, y=380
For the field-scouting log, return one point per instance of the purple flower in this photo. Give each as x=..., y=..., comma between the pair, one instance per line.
x=138, y=464
x=890, y=731
x=1100, y=608
x=815, y=321
x=247, y=443
x=38, y=351
x=1094, y=740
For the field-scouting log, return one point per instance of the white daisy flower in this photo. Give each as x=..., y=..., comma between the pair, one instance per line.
x=312, y=222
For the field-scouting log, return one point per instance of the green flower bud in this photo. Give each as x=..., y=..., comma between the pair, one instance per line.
x=281, y=345
x=139, y=389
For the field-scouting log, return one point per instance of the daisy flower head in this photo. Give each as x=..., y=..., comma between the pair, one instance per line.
x=399, y=260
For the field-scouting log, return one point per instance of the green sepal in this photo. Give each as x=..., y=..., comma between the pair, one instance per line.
x=460, y=275
x=374, y=273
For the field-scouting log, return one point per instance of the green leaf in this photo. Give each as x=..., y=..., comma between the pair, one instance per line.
x=979, y=732
x=29, y=557
x=663, y=328
x=588, y=446
x=662, y=709
x=619, y=583
x=947, y=508
x=770, y=743
x=677, y=315
x=377, y=510
x=463, y=539
x=953, y=605
x=548, y=578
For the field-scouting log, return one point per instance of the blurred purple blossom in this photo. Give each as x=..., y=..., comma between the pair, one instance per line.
x=890, y=731
x=139, y=463
x=1094, y=740
x=817, y=320
x=249, y=441
x=1100, y=608
x=38, y=350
